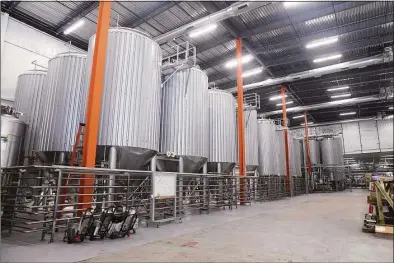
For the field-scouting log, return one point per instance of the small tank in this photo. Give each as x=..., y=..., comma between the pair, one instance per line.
x=12, y=134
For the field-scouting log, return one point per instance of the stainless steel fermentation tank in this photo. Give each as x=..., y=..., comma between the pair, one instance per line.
x=251, y=139
x=130, y=110
x=222, y=131
x=29, y=92
x=281, y=157
x=63, y=107
x=267, y=147
x=314, y=152
x=295, y=156
x=332, y=157
x=12, y=133
x=184, y=122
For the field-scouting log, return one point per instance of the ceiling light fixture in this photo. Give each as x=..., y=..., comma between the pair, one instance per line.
x=347, y=113
x=233, y=63
x=291, y=4
x=321, y=42
x=323, y=59
x=252, y=72
x=341, y=96
x=203, y=30
x=277, y=97
x=74, y=26
x=308, y=123
x=388, y=117
x=298, y=117
x=287, y=102
x=339, y=88
x=390, y=108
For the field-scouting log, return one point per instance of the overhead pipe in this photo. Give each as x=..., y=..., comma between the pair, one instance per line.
x=333, y=122
x=325, y=105
x=385, y=57
x=235, y=9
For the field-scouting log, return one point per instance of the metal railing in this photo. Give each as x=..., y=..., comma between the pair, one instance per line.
x=39, y=199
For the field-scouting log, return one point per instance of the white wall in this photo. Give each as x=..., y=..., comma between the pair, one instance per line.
x=22, y=45
x=358, y=137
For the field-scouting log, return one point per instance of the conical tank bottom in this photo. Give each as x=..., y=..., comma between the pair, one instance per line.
x=227, y=168
x=128, y=158
x=53, y=157
x=251, y=167
x=191, y=164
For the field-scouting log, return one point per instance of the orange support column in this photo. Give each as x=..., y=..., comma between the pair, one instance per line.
x=241, y=128
x=94, y=102
x=308, y=157
x=283, y=92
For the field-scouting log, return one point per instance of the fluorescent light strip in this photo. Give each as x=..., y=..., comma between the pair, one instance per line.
x=339, y=88
x=277, y=97
x=341, y=96
x=347, y=113
x=390, y=108
x=298, y=117
x=203, y=30
x=388, y=117
x=252, y=72
x=308, y=123
x=291, y=4
x=74, y=26
x=233, y=63
x=321, y=42
x=323, y=59
x=288, y=102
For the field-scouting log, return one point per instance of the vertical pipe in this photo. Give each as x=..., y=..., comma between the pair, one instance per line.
x=93, y=108
x=204, y=195
x=308, y=153
x=181, y=170
x=153, y=164
x=241, y=129
x=283, y=92
x=112, y=165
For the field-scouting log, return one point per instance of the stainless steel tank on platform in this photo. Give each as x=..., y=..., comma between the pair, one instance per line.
x=280, y=146
x=222, y=131
x=29, y=92
x=331, y=149
x=130, y=112
x=267, y=147
x=184, y=120
x=12, y=133
x=314, y=152
x=64, y=105
x=251, y=139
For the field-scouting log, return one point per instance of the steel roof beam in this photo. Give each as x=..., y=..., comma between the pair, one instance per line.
x=301, y=17
x=12, y=5
x=151, y=15
x=82, y=10
x=211, y=8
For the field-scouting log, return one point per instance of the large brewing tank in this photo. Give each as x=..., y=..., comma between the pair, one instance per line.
x=184, y=122
x=222, y=131
x=340, y=162
x=130, y=109
x=12, y=133
x=296, y=156
x=267, y=147
x=28, y=102
x=280, y=146
x=329, y=151
x=251, y=140
x=314, y=152
x=64, y=103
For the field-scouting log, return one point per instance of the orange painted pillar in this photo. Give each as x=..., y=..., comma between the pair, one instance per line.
x=308, y=157
x=283, y=92
x=241, y=125
x=94, y=102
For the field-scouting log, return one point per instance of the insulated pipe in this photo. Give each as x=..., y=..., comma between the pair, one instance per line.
x=324, y=105
x=285, y=132
x=112, y=165
x=318, y=72
x=241, y=124
x=234, y=10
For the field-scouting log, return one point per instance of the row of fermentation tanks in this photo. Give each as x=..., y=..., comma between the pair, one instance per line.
x=142, y=113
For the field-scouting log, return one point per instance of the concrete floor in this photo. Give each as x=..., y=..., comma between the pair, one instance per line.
x=311, y=228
